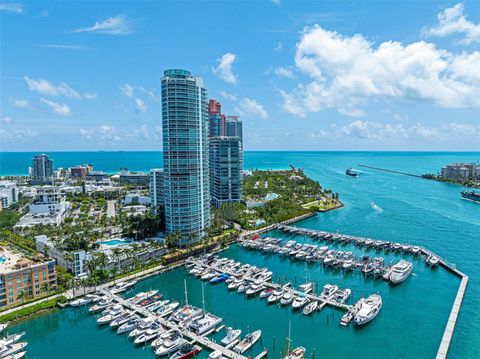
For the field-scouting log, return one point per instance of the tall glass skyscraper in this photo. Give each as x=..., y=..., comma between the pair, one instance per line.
x=185, y=154
x=42, y=169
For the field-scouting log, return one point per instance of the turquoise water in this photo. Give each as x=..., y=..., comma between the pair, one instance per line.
x=2, y=260
x=113, y=242
x=414, y=313
x=271, y=196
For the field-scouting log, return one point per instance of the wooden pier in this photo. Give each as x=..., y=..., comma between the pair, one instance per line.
x=202, y=340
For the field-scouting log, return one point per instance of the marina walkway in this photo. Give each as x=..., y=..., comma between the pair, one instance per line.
x=204, y=341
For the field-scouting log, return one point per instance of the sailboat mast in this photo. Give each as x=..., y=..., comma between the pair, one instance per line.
x=289, y=336
x=186, y=293
x=203, y=299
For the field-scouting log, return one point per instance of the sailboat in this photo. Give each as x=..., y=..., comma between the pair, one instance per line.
x=297, y=353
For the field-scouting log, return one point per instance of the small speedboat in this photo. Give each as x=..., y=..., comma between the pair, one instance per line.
x=89, y=298
x=400, y=271
x=265, y=293
x=287, y=298
x=18, y=355
x=306, y=287
x=129, y=325
x=432, y=260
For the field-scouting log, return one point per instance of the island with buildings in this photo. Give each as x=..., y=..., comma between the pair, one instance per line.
x=464, y=174
x=66, y=228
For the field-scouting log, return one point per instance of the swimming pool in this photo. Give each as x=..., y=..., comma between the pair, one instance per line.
x=113, y=242
x=2, y=260
x=271, y=196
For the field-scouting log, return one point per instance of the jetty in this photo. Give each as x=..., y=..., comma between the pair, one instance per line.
x=202, y=340
x=391, y=171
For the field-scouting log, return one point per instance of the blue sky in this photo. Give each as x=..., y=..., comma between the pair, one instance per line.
x=313, y=75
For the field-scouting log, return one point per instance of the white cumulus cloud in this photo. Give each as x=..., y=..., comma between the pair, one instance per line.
x=59, y=109
x=286, y=72
x=227, y=95
x=45, y=87
x=20, y=103
x=359, y=71
x=452, y=21
x=128, y=90
x=140, y=105
x=250, y=107
x=116, y=25
x=11, y=7
x=224, y=69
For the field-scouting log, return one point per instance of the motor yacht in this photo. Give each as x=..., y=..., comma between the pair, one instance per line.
x=237, y=282
x=129, y=325
x=287, y=298
x=170, y=345
x=232, y=335
x=186, y=351
x=247, y=342
x=89, y=298
x=369, y=309
x=299, y=302
x=306, y=287
x=18, y=355
x=400, y=271
x=150, y=334
x=11, y=349
x=125, y=317
x=167, y=309
x=348, y=265
x=142, y=326
x=254, y=288
x=265, y=293
x=101, y=305
x=205, y=323
x=328, y=290
x=432, y=260
x=297, y=353
x=186, y=314
x=10, y=339
x=310, y=308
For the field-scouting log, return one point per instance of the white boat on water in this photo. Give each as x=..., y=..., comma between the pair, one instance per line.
x=125, y=317
x=310, y=308
x=114, y=314
x=328, y=290
x=11, y=349
x=18, y=355
x=400, y=271
x=265, y=293
x=254, y=288
x=149, y=334
x=297, y=353
x=3, y=327
x=232, y=335
x=205, y=323
x=101, y=305
x=432, y=260
x=10, y=339
x=141, y=327
x=217, y=354
x=247, y=342
x=167, y=309
x=369, y=308
x=89, y=298
x=170, y=345
x=287, y=298
x=306, y=287
x=299, y=302
x=129, y=325
x=186, y=314
x=171, y=335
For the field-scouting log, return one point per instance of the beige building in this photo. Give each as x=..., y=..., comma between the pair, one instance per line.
x=23, y=279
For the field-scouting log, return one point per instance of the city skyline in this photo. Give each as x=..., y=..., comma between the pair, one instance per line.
x=320, y=76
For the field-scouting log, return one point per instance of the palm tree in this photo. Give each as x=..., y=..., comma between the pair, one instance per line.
x=21, y=296
x=46, y=287
x=69, y=258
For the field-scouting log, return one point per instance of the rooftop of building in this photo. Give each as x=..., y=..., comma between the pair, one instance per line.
x=13, y=259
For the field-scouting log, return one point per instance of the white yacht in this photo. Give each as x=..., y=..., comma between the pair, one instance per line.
x=232, y=335
x=310, y=308
x=299, y=302
x=150, y=334
x=204, y=324
x=167, y=309
x=10, y=339
x=186, y=314
x=369, y=308
x=168, y=335
x=3, y=327
x=170, y=345
x=129, y=325
x=247, y=342
x=328, y=290
x=306, y=287
x=217, y=354
x=141, y=327
x=14, y=348
x=18, y=355
x=114, y=314
x=125, y=317
x=400, y=271
x=101, y=305
x=276, y=295
x=255, y=288
x=89, y=298
x=287, y=298
x=297, y=353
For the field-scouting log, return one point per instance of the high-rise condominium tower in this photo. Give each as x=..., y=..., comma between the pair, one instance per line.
x=185, y=154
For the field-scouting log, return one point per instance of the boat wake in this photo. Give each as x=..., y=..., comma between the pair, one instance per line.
x=376, y=207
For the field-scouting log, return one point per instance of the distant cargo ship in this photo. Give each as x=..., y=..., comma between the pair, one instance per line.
x=351, y=172
x=471, y=196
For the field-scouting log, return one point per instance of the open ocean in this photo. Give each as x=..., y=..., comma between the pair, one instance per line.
x=410, y=210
